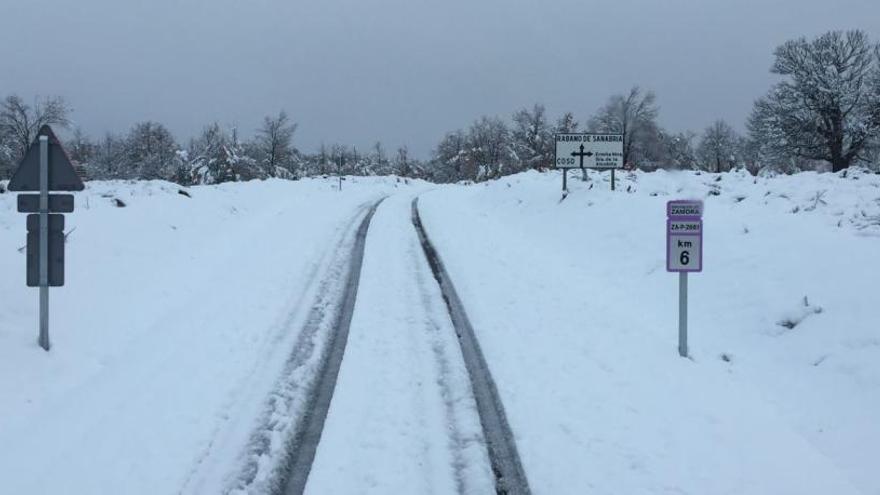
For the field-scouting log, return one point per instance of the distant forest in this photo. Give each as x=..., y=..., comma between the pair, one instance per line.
x=824, y=114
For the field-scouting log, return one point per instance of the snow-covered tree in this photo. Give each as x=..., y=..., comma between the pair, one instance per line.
x=108, y=158
x=217, y=157
x=566, y=124
x=376, y=162
x=678, y=150
x=490, y=148
x=635, y=116
x=452, y=162
x=7, y=157
x=717, y=150
x=532, y=138
x=826, y=108
x=151, y=152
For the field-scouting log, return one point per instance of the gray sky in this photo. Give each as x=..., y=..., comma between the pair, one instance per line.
x=400, y=71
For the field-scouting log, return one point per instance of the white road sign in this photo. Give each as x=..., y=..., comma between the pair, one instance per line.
x=601, y=151
x=684, y=253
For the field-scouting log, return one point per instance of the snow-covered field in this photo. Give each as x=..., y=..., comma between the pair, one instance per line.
x=578, y=321
x=175, y=322
x=180, y=312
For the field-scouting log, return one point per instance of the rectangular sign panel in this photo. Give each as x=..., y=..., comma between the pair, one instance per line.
x=684, y=227
x=56, y=258
x=56, y=222
x=684, y=209
x=684, y=253
x=584, y=150
x=58, y=203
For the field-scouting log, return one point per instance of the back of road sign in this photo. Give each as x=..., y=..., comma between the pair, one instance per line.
x=56, y=250
x=62, y=176
x=56, y=258
x=58, y=203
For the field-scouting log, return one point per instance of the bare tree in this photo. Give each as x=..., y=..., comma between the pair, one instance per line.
x=826, y=109
x=634, y=115
x=20, y=122
x=402, y=164
x=80, y=148
x=718, y=147
x=274, y=142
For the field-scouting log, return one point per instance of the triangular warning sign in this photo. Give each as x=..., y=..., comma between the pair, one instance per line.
x=62, y=176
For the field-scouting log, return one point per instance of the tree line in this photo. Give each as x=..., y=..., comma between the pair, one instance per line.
x=823, y=114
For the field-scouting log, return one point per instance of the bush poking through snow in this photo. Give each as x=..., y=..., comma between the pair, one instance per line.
x=816, y=199
x=799, y=314
x=119, y=203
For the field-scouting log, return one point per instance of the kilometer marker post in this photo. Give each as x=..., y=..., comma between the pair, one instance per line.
x=684, y=253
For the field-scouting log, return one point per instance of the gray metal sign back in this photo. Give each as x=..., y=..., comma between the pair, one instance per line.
x=62, y=176
x=58, y=203
x=56, y=258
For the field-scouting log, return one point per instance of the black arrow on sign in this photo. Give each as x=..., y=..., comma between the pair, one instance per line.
x=581, y=154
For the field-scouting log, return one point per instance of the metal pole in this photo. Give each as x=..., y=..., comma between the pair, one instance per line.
x=564, y=182
x=612, y=179
x=44, y=242
x=683, y=314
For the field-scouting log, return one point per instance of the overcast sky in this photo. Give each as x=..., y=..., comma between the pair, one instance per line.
x=399, y=71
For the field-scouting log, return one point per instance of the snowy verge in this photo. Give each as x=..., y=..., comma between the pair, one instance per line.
x=167, y=338
x=578, y=318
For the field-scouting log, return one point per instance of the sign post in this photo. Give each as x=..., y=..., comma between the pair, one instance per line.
x=44, y=242
x=587, y=150
x=45, y=167
x=684, y=253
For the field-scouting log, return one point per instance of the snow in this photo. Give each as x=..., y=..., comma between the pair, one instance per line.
x=578, y=321
x=177, y=318
x=170, y=370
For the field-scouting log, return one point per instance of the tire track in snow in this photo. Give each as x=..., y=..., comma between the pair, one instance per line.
x=461, y=438
x=304, y=442
x=281, y=451
x=510, y=477
x=294, y=318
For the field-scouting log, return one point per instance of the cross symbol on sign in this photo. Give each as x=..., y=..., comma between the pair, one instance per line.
x=581, y=154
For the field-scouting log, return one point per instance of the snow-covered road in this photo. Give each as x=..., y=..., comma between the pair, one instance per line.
x=403, y=417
